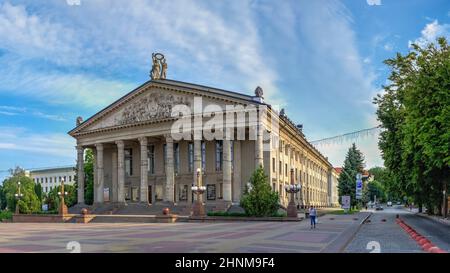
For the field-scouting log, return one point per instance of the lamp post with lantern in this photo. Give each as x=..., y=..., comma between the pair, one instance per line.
x=292, y=189
x=199, y=209
x=62, y=205
x=18, y=196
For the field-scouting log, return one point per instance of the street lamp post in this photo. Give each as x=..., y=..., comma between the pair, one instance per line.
x=62, y=205
x=198, y=209
x=292, y=189
x=18, y=196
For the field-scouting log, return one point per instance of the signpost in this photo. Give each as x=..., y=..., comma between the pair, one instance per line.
x=359, y=185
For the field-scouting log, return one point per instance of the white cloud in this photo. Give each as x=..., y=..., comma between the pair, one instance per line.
x=373, y=2
x=45, y=144
x=198, y=40
x=432, y=31
x=388, y=47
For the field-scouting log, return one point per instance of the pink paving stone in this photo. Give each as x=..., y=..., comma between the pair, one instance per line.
x=236, y=235
x=308, y=237
x=208, y=235
x=28, y=248
x=152, y=234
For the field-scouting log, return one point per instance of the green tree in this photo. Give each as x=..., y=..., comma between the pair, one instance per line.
x=259, y=200
x=38, y=191
x=53, y=199
x=2, y=198
x=415, y=111
x=29, y=203
x=353, y=164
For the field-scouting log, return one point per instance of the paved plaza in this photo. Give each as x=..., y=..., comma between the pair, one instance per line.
x=332, y=233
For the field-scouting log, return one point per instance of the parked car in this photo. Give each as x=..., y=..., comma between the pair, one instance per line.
x=378, y=207
x=399, y=203
x=389, y=204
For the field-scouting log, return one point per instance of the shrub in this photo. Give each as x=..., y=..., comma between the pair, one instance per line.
x=5, y=215
x=259, y=200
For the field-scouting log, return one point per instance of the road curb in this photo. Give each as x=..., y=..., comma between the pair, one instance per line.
x=423, y=242
x=341, y=249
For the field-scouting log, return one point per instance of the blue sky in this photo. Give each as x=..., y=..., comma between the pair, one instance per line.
x=320, y=60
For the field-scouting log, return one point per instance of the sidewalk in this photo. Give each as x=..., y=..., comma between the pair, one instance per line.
x=445, y=221
x=440, y=219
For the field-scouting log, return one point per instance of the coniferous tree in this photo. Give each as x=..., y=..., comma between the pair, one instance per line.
x=353, y=164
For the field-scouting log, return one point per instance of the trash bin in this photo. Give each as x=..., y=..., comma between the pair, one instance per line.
x=306, y=214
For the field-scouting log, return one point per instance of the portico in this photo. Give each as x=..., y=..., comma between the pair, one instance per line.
x=148, y=145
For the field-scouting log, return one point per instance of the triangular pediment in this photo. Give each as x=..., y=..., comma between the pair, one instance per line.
x=153, y=102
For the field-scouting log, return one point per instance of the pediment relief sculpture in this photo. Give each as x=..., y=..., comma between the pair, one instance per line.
x=151, y=106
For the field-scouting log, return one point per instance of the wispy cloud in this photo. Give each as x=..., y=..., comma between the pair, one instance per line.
x=16, y=111
x=50, y=144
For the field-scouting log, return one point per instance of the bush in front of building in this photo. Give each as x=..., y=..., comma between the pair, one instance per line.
x=259, y=199
x=5, y=215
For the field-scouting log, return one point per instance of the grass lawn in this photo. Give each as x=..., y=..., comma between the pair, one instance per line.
x=341, y=212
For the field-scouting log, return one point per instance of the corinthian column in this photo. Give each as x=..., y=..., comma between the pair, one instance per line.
x=80, y=174
x=227, y=170
x=100, y=173
x=144, y=170
x=120, y=171
x=259, y=146
x=170, y=177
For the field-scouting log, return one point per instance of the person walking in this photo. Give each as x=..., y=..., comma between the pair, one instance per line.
x=313, y=215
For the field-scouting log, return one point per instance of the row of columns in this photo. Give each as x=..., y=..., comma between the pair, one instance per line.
x=118, y=163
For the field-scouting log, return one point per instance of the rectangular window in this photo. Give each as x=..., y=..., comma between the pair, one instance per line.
x=65, y=178
x=220, y=191
x=285, y=170
x=46, y=180
x=165, y=156
x=203, y=156
x=219, y=155
x=211, y=192
x=129, y=162
x=191, y=156
x=70, y=178
x=274, y=167
x=151, y=159
x=176, y=157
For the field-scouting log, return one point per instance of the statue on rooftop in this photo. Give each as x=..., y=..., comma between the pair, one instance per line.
x=159, y=67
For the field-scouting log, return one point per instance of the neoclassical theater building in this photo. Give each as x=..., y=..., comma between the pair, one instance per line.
x=138, y=157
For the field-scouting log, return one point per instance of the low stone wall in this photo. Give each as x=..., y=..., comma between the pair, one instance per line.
x=243, y=219
x=41, y=218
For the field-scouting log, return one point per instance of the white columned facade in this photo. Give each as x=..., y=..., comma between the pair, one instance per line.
x=120, y=171
x=144, y=170
x=226, y=170
x=80, y=174
x=170, y=176
x=100, y=174
x=114, y=191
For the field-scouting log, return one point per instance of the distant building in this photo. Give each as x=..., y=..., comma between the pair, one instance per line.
x=51, y=177
x=335, y=172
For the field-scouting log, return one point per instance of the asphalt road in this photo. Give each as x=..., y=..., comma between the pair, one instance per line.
x=381, y=234
x=438, y=233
